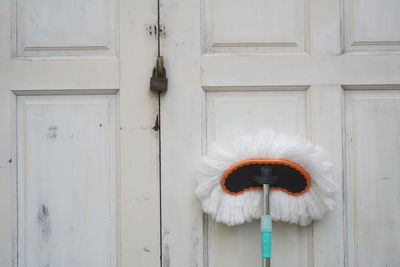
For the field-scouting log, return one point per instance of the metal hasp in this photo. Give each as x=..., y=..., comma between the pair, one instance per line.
x=159, y=81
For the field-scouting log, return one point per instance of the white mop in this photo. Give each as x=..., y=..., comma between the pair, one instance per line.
x=312, y=204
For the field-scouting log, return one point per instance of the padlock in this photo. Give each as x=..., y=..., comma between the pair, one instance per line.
x=159, y=81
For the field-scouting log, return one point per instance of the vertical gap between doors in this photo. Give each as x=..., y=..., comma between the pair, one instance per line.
x=159, y=173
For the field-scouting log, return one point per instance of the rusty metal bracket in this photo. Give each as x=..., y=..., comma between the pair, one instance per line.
x=156, y=31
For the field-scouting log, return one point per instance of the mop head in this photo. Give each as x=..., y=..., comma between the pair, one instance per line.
x=303, y=191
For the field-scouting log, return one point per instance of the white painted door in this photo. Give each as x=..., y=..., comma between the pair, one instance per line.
x=329, y=70
x=78, y=155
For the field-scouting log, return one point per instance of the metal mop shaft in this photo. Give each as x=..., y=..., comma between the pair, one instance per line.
x=266, y=229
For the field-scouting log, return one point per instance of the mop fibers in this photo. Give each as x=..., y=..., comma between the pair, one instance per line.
x=237, y=209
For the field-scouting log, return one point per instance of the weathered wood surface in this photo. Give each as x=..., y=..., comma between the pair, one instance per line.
x=66, y=181
x=290, y=66
x=85, y=48
x=326, y=57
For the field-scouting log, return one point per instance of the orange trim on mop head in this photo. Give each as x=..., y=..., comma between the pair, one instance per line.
x=288, y=163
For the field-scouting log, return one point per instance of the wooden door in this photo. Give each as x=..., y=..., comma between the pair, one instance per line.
x=78, y=155
x=328, y=70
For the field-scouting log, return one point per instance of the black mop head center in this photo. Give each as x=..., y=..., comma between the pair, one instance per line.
x=286, y=176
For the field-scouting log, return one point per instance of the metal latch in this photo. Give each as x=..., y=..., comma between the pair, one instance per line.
x=159, y=81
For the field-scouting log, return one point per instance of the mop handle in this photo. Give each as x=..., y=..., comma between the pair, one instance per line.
x=266, y=229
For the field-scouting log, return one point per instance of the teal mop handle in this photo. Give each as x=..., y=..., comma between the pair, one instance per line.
x=266, y=229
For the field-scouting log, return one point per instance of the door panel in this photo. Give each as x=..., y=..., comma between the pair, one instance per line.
x=66, y=182
x=49, y=28
x=256, y=26
x=247, y=112
x=373, y=176
x=372, y=25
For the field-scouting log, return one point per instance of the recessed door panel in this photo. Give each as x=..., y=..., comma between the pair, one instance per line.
x=66, y=181
x=372, y=176
x=248, y=112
